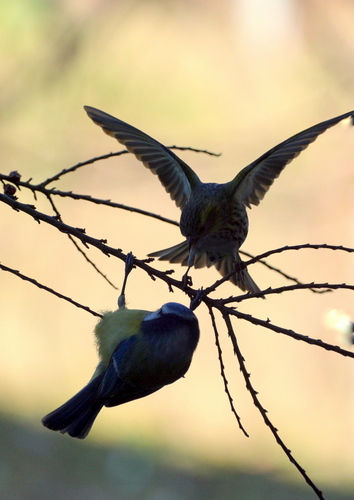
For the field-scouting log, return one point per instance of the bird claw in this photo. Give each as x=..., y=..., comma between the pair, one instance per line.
x=197, y=299
x=129, y=263
x=186, y=280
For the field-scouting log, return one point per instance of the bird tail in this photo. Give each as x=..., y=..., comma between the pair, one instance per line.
x=77, y=415
x=178, y=254
x=241, y=278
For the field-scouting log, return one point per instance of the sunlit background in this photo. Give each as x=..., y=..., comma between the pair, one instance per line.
x=235, y=77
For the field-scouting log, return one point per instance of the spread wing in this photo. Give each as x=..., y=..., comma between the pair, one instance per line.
x=251, y=184
x=176, y=176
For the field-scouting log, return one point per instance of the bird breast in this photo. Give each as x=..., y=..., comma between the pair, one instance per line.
x=213, y=217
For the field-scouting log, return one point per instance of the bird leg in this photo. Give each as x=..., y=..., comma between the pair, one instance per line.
x=129, y=264
x=187, y=280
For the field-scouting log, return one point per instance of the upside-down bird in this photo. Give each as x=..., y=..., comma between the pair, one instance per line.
x=214, y=219
x=140, y=352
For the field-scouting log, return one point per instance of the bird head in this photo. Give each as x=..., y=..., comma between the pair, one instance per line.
x=171, y=309
x=171, y=319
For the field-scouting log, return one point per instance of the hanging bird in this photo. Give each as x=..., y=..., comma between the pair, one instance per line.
x=214, y=219
x=139, y=352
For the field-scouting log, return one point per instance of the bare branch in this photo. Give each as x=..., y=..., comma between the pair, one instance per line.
x=280, y=271
x=277, y=329
x=223, y=375
x=79, y=249
x=205, y=151
x=40, y=188
x=110, y=155
x=48, y=289
x=290, y=288
x=100, y=244
x=79, y=165
x=298, y=247
x=262, y=410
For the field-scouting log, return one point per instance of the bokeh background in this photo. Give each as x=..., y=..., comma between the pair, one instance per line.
x=235, y=77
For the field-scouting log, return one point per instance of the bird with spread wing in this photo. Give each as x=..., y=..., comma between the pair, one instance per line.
x=214, y=220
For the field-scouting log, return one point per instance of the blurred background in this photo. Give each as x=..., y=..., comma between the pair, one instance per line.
x=235, y=77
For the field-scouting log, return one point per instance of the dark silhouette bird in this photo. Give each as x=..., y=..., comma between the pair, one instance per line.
x=140, y=352
x=214, y=219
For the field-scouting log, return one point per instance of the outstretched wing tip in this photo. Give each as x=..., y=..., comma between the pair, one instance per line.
x=174, y=174
x=251, y=184
x=89, y=109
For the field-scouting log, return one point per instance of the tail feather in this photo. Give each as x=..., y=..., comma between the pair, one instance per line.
x=241, y=278
x=178, y=254
x=76, y=416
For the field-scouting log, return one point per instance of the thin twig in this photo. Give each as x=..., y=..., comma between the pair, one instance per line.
x=291, y=288
x=110, y=155
x=263, y=411
x=48, y=289
x=223, y=375
x=79, y=165
x=79, y=249
x=260, y=257
x=40, y=188
x=278, y=329
x=204, y=151
x=298, y=247
x=100, y=244
x=280, y=271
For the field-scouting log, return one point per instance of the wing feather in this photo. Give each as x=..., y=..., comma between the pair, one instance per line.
x=251, y=184
x=174, y=174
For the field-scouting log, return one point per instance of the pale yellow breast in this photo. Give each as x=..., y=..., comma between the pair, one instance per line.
x=114, y=327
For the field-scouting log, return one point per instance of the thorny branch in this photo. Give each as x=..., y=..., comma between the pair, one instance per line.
x=77, y=246
x=225, y=306
x=261, y=409
x=49, y=193
x=223, y=374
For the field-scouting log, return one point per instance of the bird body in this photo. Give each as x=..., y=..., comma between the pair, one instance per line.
x=213, y=219
x=108, y=336
x=140, y=352
x=215, y=226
